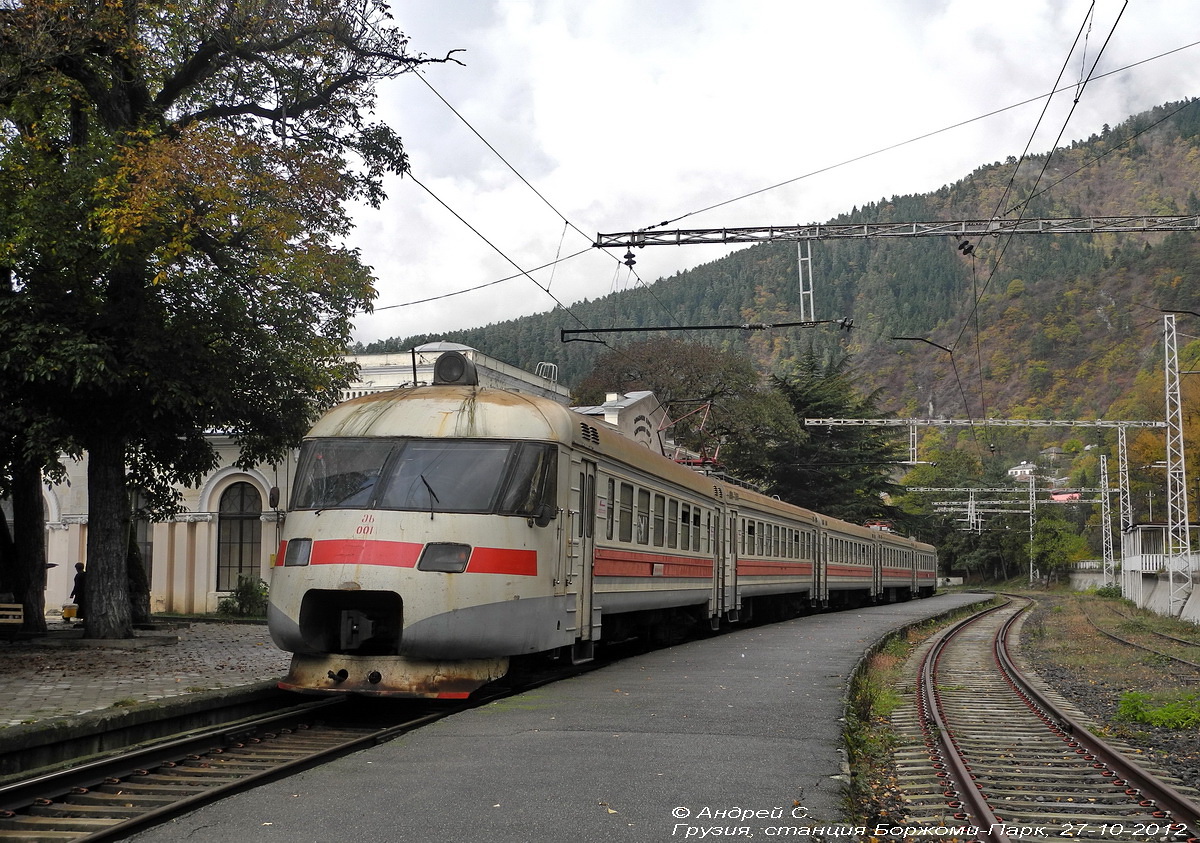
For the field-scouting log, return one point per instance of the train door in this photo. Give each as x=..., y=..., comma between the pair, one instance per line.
x=820, y=592
x=587, y=627
x=879, y=552
x=729, y=584
x=720, y=551
x=723, y=599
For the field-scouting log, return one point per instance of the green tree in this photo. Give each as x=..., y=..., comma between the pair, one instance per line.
x=844, y=470
x=1056, y=544
x=720, y=404
x=173, y=186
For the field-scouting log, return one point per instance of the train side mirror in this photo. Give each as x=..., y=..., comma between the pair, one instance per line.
x=544, y=515
x=273, y=497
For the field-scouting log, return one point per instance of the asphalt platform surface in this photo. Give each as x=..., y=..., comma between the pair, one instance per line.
x=738, y=730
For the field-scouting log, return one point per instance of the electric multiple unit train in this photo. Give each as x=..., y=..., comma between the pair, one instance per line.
x=437, y=532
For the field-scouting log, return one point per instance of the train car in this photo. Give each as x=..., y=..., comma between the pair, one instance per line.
x=437, y=532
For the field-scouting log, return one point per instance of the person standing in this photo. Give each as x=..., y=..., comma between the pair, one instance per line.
x=79, y=592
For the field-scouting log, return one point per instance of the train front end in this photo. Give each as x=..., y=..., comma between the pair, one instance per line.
x=420, y=543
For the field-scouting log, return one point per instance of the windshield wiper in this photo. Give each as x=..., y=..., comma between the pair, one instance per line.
x=432, y=496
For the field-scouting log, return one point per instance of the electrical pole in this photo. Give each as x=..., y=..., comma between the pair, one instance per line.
x=1179, y=546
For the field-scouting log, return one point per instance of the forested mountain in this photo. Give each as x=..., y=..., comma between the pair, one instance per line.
x=1041, y=326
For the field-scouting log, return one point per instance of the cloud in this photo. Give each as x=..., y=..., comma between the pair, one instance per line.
x=626, y=113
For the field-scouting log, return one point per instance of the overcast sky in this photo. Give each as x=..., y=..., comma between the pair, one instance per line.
x=626, y=113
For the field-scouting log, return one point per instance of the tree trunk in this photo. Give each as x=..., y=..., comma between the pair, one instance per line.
x=29, y=541
x=8, y=559
x=139, y=585
x=108, y=610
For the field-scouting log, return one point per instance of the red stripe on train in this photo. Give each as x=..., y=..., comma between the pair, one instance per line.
x=484, y=560
x=764, y=568
x=500, y=560
x=625, y=563
x=361, y=552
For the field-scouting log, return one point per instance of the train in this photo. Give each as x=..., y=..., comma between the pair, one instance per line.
x=436, y=534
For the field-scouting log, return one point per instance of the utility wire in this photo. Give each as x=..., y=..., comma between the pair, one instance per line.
x=1093, y=160
x=780, y=184
x=538, y=193
x=495, y=248
x=995, y=267
x=914, y=139
x=976, y=293
x=484, y=285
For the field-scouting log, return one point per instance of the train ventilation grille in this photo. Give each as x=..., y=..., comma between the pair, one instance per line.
x=718, y=492
x=590, y=434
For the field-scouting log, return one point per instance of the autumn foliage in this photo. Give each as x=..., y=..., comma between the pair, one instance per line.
x=173, y=188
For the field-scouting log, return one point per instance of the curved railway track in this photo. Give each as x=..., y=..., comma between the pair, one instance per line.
x=993, y=753
x=1190, y=648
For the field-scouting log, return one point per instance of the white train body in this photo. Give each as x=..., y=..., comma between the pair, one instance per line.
x=436, y=532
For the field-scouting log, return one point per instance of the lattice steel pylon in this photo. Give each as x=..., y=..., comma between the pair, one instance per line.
x=1179, y=546
x=804, y=261
x=1106, y=523
x=1126, y=501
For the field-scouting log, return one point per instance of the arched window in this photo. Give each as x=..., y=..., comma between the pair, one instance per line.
x=239, y=536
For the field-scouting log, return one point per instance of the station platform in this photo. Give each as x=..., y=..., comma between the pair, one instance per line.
x=741, y=730
x=64, y=675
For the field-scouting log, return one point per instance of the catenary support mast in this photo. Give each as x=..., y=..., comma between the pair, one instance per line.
x=1179, y=546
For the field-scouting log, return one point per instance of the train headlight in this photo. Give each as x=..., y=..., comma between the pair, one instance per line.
x=447, y=557
x=297, y=553
x=452, y=367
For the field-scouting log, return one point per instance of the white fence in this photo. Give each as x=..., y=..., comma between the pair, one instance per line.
x=1156, y=563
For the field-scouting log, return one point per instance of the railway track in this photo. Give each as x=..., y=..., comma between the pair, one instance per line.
x=989, y=751
x=1182, y=651
x=112, y=797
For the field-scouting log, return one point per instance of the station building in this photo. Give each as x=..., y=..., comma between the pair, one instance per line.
x=227, y=528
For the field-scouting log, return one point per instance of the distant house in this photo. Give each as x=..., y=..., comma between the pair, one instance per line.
x=1053, y=453
x=1024, y=471
x=638, y=415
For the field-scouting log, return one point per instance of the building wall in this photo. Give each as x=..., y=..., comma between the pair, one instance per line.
x=183, y=561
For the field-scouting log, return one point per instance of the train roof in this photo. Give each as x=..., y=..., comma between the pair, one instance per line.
x=449, y=411
x=476, y=412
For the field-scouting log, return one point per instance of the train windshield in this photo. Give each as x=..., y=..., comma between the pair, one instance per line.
x=426, y=475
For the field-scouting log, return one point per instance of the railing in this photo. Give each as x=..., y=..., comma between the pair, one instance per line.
x=1155, y=563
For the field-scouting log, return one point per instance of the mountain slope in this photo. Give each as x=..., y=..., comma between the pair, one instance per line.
x=1043, y=326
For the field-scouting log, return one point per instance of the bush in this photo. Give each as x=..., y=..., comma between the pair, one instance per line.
x=1180, y=713
x=247, y=600
x=1112, y=591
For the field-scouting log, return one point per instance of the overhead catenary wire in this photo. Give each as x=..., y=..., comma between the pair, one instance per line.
x=566, y=222
x=845, y=324
x=914, y=139
x=976, y=293
x=973, y=316
x=844, y=163
x=484, y=285
x=521, y=271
